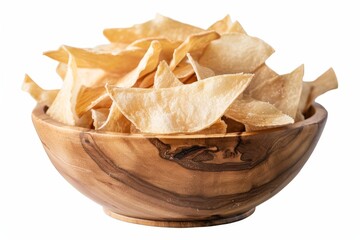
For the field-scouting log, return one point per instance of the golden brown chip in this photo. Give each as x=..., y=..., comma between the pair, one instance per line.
x=160, y=26
x=311, y=90
x=63, y=107
x=183, y=109
x=85, y=121
x=257, y=113
x=183, y=70
x=121, y=62
x=200, y=71
x=193, y=43
x=147, y=81
x=164, y=77
x=235, y=53
x=282, y=91
x=40, y=95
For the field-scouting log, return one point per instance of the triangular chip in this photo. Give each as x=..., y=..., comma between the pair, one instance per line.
x=63, y=107
x=183, y=70
x=167, y=46
x=115, y=121
x=282, y=91
x=121, y=62
x=164, y=77
x=160, y=26
x=311, y=90
x=40, y=95
x=261, y=74
x=225, y=25
x=200, y=71
x=257, y=113
x=99, y=116
x=193, y=43
x=182, y=109
x=235, y=53
x=89, y=97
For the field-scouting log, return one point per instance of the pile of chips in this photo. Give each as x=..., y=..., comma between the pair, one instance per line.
x=168, y=77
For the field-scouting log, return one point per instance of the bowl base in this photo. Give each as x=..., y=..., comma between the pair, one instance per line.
x=181, y=224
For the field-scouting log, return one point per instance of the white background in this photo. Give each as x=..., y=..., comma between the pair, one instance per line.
x=322, y=202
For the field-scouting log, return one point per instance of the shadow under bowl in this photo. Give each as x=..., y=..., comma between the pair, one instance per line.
x=179, y=180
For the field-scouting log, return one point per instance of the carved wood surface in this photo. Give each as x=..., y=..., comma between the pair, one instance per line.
x=183, y=180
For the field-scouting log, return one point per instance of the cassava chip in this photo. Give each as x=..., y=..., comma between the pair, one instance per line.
x=256, y=113
x=311, y=90
x=193, y=43
x=99, y=116
x=225, y=25
x=115, y=121
x=89, y=97
x=282, y=91
x=40, y=95
x=63, y=107
x=261, y=74
x=183, y=71
x=235, y=53
x=160, y=26
x=200, y=71
x=121, y=62
x=182, y=109
x=164, y=77
x=167, y=46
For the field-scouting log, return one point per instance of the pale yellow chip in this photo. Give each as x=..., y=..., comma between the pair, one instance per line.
x=257, y=113
x=261, y=74
x=123, y=61
x=160, y=26
x=235, y=53
x=282, y=91
x=90, y=77
x=63, y=107
x=115, y=121
x=193, y=43
x=225, y=25
x=200, y=71
x=61, y=70
x=165, y=78
x=183, y=109
x=167, y=46
x=90, y=96
x=311, y=90
x=40, y=95
x=99, y=116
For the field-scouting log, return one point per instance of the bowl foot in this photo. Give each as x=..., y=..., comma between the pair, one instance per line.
x=181, y=224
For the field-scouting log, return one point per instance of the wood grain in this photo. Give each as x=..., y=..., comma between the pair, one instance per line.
x=183, y=180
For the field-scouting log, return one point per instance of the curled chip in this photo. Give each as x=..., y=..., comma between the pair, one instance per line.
x=168, y=77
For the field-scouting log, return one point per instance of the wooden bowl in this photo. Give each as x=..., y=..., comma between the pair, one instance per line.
x=183, y=180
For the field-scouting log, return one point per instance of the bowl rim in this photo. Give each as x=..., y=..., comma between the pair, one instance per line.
x=316, y=113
